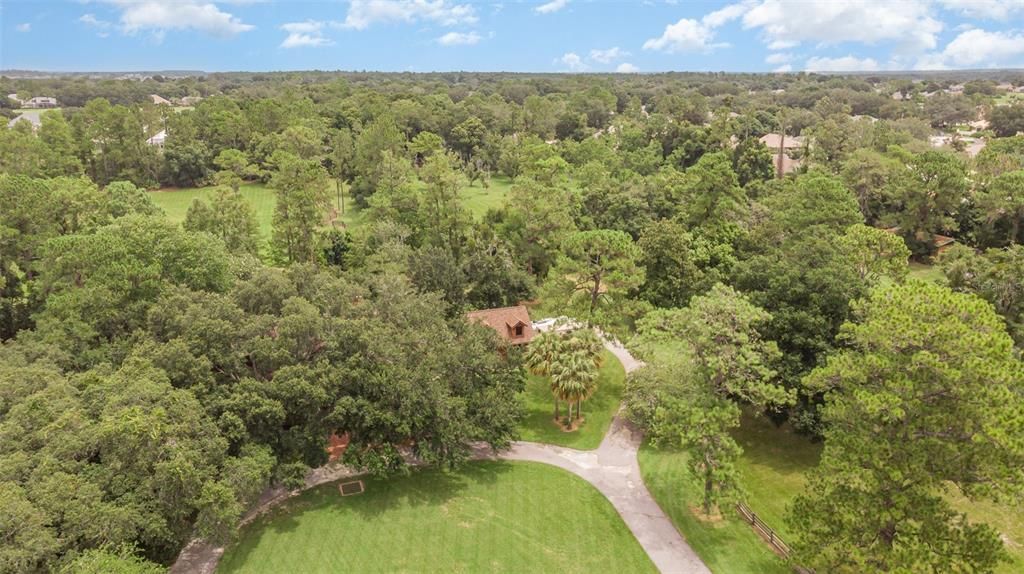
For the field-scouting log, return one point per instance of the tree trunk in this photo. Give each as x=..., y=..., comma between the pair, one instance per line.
x=594, y=294
x=709, y=487
x=556, y=409
x=337, y=186
x=1015, y=230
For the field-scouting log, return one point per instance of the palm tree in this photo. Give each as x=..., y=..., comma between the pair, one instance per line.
x=542, y=355
x=573, y=379
x=586, y=341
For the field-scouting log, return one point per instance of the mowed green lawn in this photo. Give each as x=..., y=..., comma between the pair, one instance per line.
x=926, y=272
x=489, y=517
x=728, y=545
x=539, y=425
x=773, y=471
x=175, y=202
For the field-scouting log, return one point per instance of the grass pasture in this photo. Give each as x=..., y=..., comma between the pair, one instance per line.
x=773, y=471
x=488, y=517
x=175, y=202
x=538, y=425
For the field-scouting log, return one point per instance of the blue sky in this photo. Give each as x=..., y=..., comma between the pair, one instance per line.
x=539, y=36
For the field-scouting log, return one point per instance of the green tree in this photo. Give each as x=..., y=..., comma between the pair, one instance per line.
x=56, y=135
x=927, y=394
x=601, y=265
x=679, y=264
x=1007, y=121
x=1003, y=200
x=720, y=332
x=928, y=195
x=108, y=560
x=678, y=411
x=228, y=216
x=29, y=541
x=875, y=253
x=995, y=276
x=301, y=186
x=573, y=379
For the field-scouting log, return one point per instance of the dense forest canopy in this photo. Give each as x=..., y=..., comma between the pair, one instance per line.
x=155, y=378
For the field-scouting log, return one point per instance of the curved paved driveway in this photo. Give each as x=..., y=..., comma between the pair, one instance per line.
x=613, y=468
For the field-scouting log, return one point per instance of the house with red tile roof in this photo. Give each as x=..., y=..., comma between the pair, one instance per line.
x=511, y=323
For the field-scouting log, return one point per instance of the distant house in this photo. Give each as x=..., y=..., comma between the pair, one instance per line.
x=783, y=149
x=39, y=102
x=511, y=323
x=189, y=100
x=942, y=243
x=788, y=143
x=158, y=100
x=158, y=139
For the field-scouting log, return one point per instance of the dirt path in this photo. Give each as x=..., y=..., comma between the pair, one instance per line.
x=612, y=468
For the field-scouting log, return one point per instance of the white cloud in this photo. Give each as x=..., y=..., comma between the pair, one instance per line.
x=627, y=68
x=572, y=61
x=91, y=20
x=459, y=39
x=986, y=9
x=305, y=34
x=843, y=64
x=778, y=58
x=977, y=47
x=553, y=6
x=608, y=56
x=26, y=27
x=159, y=17
x=787, y=23
x=689, y=35
x=724, y=15
x=362, y=13
x=783, y=69
x=686, y=35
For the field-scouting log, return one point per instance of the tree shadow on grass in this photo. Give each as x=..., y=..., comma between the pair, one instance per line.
x=778, y=448
x=421, y=487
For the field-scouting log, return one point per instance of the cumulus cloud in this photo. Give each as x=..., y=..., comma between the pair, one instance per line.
x=977, y=47
x=985, y=9
x=608, y=56
x=689, y=35
x=627, y=68
x=26, y=27
x=159, y=17
x=783, y=69
x=553, y=6
x=787, y=23
x=843, y=64
x=305, y=34
x=363, y=13
x=459, y=39
x=572, y=61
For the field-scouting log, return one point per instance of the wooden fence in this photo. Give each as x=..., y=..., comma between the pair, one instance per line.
x=768, y=534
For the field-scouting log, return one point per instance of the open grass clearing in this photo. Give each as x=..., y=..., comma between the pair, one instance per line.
x=727, y=546
x=773, y=471
x=175, y=202
x=487, y=517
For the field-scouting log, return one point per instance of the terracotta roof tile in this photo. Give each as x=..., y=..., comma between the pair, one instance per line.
x=504, y=321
